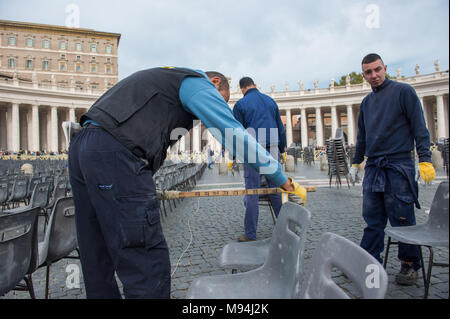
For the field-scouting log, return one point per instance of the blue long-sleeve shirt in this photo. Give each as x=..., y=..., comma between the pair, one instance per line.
x=390, y=121
x=200, y=97
x=258, y=111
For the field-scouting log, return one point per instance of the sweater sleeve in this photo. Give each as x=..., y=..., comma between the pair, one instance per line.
x=412, y=108
x=361, y=138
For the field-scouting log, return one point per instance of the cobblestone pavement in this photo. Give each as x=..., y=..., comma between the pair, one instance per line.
x=197, y=229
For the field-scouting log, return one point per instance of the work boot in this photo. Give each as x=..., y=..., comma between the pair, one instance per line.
x=407, y=275
x=244, y=238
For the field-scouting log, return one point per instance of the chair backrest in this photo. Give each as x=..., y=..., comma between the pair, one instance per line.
x=18, y=245
x=41, y=194
x=356, y=263
x=285, y=258
x=33, y=182
x=60, y=190
x=3, y=192
x=61, y=231
x=438, y=218
x=20, y=188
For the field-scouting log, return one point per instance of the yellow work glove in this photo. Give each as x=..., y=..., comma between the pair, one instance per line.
x=283, y=157
x=298, y=191
x=427, y=171
x=230, y=166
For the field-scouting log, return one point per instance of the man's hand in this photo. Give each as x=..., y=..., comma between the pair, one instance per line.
x=427, y=171
x=354, y=170
x=291, y=187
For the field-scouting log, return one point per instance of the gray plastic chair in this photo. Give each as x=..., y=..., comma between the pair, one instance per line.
x=248, y=255
x=3, y=194
x=19, y=191
x=356, y=263
x=60, y=237
x=18, y=248
x=41, y=195
x=245, y=255
x=434, y=233
x=276, y=278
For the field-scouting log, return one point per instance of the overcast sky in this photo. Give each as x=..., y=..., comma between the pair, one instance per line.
x=273, y=41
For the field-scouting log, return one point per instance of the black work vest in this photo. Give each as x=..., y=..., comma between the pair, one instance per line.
x=142, y=110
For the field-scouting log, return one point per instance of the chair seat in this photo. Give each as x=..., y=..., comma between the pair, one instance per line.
x=246, y=255
x=419, y=235
x=249, y=285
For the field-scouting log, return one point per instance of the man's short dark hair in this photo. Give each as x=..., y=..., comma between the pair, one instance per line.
x=245, y=82
x=372, y=57
x=223, y=80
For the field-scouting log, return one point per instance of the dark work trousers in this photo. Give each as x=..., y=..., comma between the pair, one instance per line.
x=117, y=219
x=253, y=180
x=389, y=192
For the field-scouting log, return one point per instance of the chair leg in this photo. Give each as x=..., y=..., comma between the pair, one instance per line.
x=272, y=213
x=47, y=281
x=430, y=266
x=29, y=283
x=387, y=252
x=423, y=267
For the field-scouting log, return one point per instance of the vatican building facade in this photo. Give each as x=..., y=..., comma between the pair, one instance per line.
x=51, y=74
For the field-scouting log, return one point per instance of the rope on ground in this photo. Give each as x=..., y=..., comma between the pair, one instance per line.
x=190, y=241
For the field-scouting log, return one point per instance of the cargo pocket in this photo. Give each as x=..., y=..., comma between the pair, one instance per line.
x=403, y=209
x=139, y=222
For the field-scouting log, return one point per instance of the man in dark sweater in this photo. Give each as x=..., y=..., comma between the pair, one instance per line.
x=391, y=120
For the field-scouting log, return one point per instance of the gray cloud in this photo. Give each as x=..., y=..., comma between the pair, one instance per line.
x=274, y=42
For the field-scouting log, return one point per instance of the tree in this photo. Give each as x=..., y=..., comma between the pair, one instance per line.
x=355, y=78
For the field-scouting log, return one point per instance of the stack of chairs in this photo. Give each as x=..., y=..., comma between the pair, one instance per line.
x=179, y=177
x=308, y=155
x=337, y=159
x=443, y=148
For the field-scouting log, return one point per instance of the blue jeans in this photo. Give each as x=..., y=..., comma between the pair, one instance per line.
x=252, y=181
x=117, y=219
x=389, y=192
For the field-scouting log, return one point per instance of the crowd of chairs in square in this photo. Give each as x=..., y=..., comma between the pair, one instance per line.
x=25, y=196
x=46, y=193
x=182, y=176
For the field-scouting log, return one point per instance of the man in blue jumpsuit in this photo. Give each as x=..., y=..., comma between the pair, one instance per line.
x=391, y=120
x=259, y=114
x=124, y=140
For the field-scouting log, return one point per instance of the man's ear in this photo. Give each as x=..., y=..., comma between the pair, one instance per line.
x=216, y=81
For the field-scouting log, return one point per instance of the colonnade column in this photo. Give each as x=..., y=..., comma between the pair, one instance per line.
x=422, y=103
x=319, y=127
x=54, y=129
x=72, y=117
x=182, y=142
x=196, y=136
x=35, y=145
x=15, y=127
x=440, y=116
x=304, y=128
x=289, y=137
x=334, y=121
x=350, y=125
